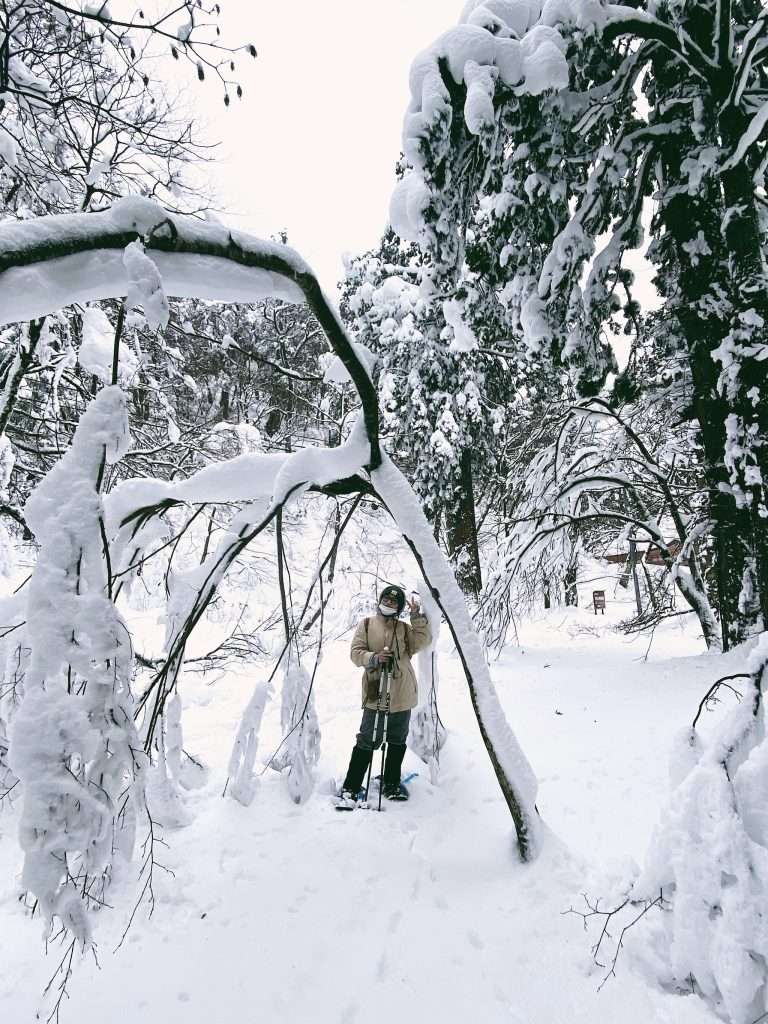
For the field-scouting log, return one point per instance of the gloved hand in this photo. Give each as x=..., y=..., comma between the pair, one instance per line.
x=384, y=658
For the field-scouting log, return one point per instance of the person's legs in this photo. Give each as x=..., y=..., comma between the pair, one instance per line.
x=397, y=734
x=398, y=726
x=365, y=734
x=361, y=753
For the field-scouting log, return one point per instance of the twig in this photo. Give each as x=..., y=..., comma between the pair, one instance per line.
x=147, y=869
x=64, y=968
x=593, y=910
x=709, y=696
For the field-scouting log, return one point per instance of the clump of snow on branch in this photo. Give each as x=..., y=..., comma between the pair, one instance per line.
x=494, y=43
x=96, y=350
x=427, y=735
x=242, y=781
x=31, y=291
x=165, y=780
x=73, y=742
x=301, y=730
x=463, y=338
x=145, y=286
x=8, y=149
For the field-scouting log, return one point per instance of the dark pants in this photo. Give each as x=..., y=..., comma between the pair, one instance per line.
x=397, y=729
x=397, y=734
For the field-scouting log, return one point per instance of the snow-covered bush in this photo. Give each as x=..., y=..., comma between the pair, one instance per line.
x=709, y=860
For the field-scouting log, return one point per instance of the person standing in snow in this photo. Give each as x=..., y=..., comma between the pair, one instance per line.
x=384, y=641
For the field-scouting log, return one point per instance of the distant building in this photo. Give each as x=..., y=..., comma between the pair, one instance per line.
x=646, y=552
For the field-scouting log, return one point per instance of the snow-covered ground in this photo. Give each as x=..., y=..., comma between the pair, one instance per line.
x=289, y=913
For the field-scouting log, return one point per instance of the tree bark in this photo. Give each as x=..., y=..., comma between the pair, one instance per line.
x=462, y=531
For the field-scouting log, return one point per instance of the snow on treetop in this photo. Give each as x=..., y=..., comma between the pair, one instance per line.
x=512, y=42
x=497, y=39
x=516, y=42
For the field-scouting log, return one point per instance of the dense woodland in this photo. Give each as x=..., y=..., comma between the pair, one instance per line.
x=544, y=412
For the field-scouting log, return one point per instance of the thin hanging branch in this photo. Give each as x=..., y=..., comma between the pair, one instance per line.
x=118, y=335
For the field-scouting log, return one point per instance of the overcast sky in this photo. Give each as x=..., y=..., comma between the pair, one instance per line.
x=311, y=148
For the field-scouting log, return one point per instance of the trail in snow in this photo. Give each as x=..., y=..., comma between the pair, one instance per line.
x=290, y=913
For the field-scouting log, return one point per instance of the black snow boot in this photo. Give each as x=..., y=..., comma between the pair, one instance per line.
x=393, y=788
x=358, y=766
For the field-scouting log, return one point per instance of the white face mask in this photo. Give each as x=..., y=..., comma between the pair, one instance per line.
x=386, y=610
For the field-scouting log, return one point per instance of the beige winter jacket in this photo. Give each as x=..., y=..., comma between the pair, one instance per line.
x=371, y=637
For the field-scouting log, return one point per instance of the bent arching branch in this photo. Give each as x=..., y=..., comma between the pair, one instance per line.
x=53, y=261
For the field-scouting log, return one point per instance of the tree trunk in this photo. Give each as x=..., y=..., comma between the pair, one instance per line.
x=462, y=530
x=700, y=282
x=746, y=450
x=569, y=584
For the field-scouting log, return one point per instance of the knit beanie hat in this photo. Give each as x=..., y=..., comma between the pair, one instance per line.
x=396, y=594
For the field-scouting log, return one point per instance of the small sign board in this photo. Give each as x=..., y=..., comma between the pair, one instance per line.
x=598, y=600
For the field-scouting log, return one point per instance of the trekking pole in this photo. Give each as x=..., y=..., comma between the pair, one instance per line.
x=384, y=739
x=383, y=696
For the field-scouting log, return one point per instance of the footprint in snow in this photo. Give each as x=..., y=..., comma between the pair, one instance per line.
x=475, y=940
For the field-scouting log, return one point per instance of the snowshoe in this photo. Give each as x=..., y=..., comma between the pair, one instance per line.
x=395, y=791
x=347, y=800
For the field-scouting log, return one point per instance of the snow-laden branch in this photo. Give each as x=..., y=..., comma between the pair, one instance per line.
x=508, y=760
x=74, y=745
x=50, y=262
x=198, y=588
x=623, y=20
x=753, y=132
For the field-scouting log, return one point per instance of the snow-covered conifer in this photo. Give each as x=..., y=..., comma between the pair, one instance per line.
x=533, y=139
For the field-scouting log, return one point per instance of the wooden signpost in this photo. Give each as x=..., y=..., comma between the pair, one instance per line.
x=598, y=600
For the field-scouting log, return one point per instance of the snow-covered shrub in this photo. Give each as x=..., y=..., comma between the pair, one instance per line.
x=74, y=745
x=709, y=860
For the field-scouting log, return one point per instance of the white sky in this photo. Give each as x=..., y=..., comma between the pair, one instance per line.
x=311, y=147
